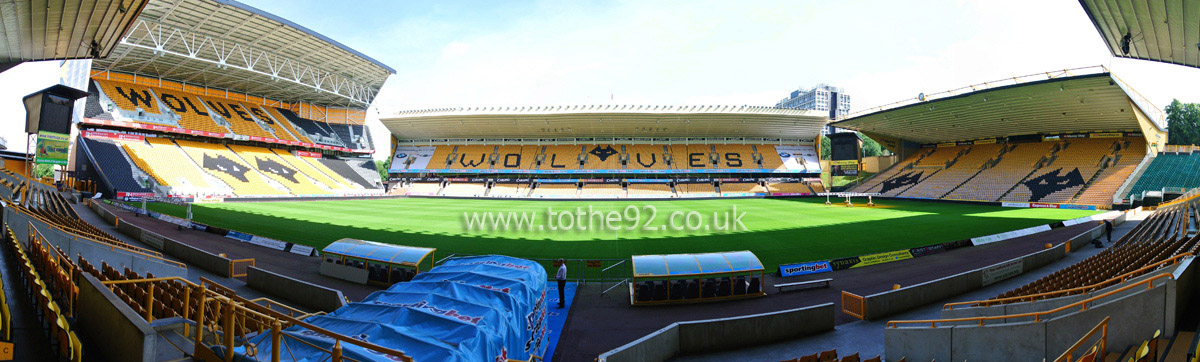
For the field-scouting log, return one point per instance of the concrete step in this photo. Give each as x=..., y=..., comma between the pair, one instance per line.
x=1177, y=351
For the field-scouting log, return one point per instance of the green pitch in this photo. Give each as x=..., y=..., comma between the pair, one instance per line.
x=779, y=231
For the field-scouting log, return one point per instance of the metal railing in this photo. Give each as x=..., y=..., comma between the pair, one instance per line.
x=854, y=305
x=1097, y=349
x=226, y=322
x=1037, y=316
x=1077, y=290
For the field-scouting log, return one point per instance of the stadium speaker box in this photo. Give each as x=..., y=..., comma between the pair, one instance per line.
x=50, y=109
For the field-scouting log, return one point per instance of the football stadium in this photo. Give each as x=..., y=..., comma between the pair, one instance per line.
x=206, y=182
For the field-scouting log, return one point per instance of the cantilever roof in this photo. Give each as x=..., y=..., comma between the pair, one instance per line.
x=59, y=29
x=691, y=264
x=397, y=254
x=1164, y=31
x=1070, y=101
x=229, y=45
x=606, y=121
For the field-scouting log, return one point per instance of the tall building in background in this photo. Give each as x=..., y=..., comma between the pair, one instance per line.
x=823, y=97
x=75, y=74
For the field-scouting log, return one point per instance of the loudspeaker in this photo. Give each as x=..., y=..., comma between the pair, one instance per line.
x=50, y=109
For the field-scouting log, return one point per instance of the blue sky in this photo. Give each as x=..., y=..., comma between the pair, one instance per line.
x=490, y=53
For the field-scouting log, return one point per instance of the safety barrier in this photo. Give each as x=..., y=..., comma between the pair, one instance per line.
x=854, y=305
x=223, y=320
x=238, y=267
x=1097, y=349
x=707, y=336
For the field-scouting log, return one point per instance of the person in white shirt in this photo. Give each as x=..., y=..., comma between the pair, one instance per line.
x=561, y=277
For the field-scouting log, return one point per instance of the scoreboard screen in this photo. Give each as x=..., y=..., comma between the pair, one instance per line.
x=844, y=153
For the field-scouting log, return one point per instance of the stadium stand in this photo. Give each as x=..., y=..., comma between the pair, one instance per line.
x=1100, y=190
x=473, y=189
x=1151, y=245
x=603, y=157
x=1169, y=170
x=115, y=166
x=311, y=128
x=425, y=188
x=274, y=167
x=602, y=190
x=788, y=187
x=158, y=157
x=646, y=157
x=650, y=190
x=697, y=189
x=560, y=157
x=130, y=97
x=832, y=356
x=742, y=187
x=1017, y=161
x=284, y=122
x=888, y=179
x=693, y=156
x=736, y=156
x=275, y=126
x=555, y=190
x=509, y=190
x=1063, y=173
x=347, y=172
x=301, y=163
x=224, y=164
x=46, y=277
x=969, y=161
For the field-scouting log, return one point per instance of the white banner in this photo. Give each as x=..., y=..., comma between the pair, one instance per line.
x=799, y=158
x=301, y=249
x=420, y=155
x=1003, y=271
x=1009, y=235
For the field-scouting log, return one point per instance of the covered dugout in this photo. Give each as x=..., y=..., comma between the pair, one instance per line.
x=370, y=262
x=685, y=278
x=480, y=308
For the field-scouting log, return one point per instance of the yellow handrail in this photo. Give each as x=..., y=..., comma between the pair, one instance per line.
x=128, y=248
x=1101, y=327
x=1119, y=279
x=1037, y=316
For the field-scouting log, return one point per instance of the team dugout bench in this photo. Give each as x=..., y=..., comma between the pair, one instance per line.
x=821, y=283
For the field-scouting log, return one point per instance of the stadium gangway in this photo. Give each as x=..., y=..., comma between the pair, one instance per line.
x=686, y=278
x=229, y=320
x=370, y=262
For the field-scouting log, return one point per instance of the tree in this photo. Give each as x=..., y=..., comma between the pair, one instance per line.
x=870, y=148
x=382, y=167
x=1183, y=123
x=42, y=170
x=825, y=148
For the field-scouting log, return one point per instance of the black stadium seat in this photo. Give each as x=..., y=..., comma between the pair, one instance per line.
x=644, y=293
x=754, y=286
x=693, y=289
x=724, y=289
x=739, y=286
x=660, y=290
x=710, y=288
x=113, y=166
x=677, y=290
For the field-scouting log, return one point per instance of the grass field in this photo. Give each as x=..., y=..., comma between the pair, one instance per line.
x=777, y=230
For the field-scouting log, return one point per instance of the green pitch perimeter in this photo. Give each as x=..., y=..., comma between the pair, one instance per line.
x=779, y=231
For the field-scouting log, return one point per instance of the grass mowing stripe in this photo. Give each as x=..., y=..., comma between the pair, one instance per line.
x=778, y=230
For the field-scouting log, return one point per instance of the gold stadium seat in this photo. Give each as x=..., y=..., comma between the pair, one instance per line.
x=227, y=166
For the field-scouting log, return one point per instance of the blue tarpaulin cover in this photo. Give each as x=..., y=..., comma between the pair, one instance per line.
x=482, y=308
